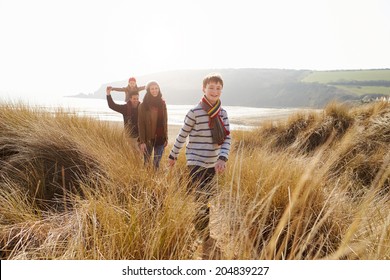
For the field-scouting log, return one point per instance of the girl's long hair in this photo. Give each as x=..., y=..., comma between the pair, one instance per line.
x=150, y=100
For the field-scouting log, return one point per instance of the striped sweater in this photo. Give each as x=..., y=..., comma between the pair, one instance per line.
x=200, y=150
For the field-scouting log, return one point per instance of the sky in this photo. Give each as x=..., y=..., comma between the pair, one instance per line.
x=68, y=47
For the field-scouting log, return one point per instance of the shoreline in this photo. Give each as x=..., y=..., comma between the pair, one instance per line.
x=238, y=123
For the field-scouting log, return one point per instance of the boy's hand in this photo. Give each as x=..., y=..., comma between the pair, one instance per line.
x=220, y=166
x=171, y=162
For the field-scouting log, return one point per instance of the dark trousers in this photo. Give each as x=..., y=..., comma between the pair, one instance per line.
x=203, y=187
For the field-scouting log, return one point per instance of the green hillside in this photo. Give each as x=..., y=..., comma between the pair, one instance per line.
x=358, y=82
x=276, y=88
x=347, y=75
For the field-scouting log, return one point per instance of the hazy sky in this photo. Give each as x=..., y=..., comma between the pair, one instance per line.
x=72, y=46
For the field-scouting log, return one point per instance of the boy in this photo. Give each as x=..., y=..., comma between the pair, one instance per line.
x=207, y=151
x=128, y=110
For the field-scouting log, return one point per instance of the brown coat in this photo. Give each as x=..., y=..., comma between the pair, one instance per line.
x=145, y=124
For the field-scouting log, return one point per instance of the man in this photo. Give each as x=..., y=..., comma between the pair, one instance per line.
x=128, y=110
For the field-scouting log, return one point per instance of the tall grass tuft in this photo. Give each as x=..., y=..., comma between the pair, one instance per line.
x=314, y=186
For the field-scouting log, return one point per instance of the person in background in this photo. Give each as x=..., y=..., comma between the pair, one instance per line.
x=153, y=124
x=207, y=151
x=128, y=110
x=130, y=90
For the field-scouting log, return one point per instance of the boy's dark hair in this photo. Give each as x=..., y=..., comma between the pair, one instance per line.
x=213, y=77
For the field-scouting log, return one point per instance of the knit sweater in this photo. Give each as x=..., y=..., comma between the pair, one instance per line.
x=130, y=115
x=200, y=149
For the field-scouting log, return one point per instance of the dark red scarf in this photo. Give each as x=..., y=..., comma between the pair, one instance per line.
x=218, y=130
x=158, y=103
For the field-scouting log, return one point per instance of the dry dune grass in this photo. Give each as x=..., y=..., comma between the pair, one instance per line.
x=315, y=186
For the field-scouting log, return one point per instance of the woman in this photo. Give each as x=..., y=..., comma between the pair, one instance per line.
x=153, y=124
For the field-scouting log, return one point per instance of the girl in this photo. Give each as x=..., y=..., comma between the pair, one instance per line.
x=153, y=124
x=131, y=89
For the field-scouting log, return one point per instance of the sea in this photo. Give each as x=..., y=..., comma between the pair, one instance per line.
x=240, y=117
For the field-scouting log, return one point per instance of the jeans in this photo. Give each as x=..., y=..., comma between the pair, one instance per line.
x=158, y=151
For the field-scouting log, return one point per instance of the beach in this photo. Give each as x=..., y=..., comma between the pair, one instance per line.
x=248, y=120
x=241, y=118
x=238, y=122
